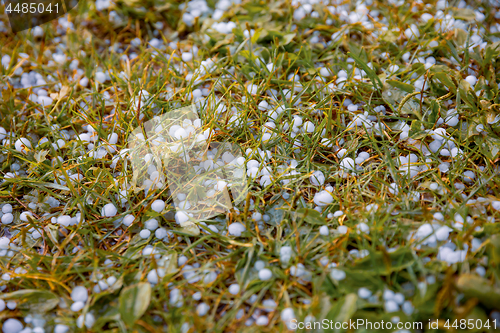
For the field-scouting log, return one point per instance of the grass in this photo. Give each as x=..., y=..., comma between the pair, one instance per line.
x=44, y=271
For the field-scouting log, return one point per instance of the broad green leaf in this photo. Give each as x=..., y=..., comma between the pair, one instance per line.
x=343, y=310
x=386, y=263
x=465, y=14
x=288, y=38
x=311, y=216
x=38, y=301
x=134, y=301
x=394, y=96
x=474, y=286
x=445, y=79
x=494, y=245
x=190, y=229
x=401, y=85
x=40, y=155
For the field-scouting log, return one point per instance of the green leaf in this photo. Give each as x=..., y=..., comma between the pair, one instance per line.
x=416, y=131
x=371, y=74
x=494, y=246
x=38, y=301
x=288, y=38
x=311, y=216
x=40, y=155
x=394, y=96
x=465, y=14
x=401, y=85
x=474, y=286
x=134, y=301
x=343, y=310
x=493, y=147
x=445, y=79
x=384, y=263
x=434, y=114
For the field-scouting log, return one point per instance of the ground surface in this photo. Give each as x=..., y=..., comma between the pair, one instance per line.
x=369, y=136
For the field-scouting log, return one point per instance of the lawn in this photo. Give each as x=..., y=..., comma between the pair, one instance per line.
x=252, y=166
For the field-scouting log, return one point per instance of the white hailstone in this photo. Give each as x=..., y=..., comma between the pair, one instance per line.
x=187, y=56
x=234, y=289
x=407, y=308
x=495, y=205
x=371, y=208
x=325, y=72
x=7, y=208
x=265, y=181
x=180, y=133
x=60, y=328
x=285, y=254
x=197, y=296
x=128, y=219
x=145, y=233
x=3, y=133
x=151, y=224
x=161, y=233
x=471, y=79
x=79, y=294
x=155, y=275
x=337, y=274
x=77, y=306
x=399, y=298
x=391, y=306
x=88, y=320
x=323, y=230
x=202, y=309
x=22, y=145
x=2, y=305
x=341, y=153
x=364, y=293
x=181, y=217
x=100, y=77
x=259, y=264
x=452, y=120
x=338, y=213
x=7, y=218
x=393, y=68
x=111, y=280
x=4, y=243
x=182, y=260
x=236, y=228
x=323, y=198
x=468, y=176
x=36, y=234
x=12, y=325
x=443, y=233
x=438, y=216
x=342, y=229
x=252, y=89
x=348, y=164
x=480, y=270
x=84, y=82
x=265, y=274
x=64, y=220
x=317, y=178
x=113, y=138
x=308, y=127
x=176, y=298
x=444, y=167
x=24, y=216
x=262, y=321
x=363, y=227
x=109, y=210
